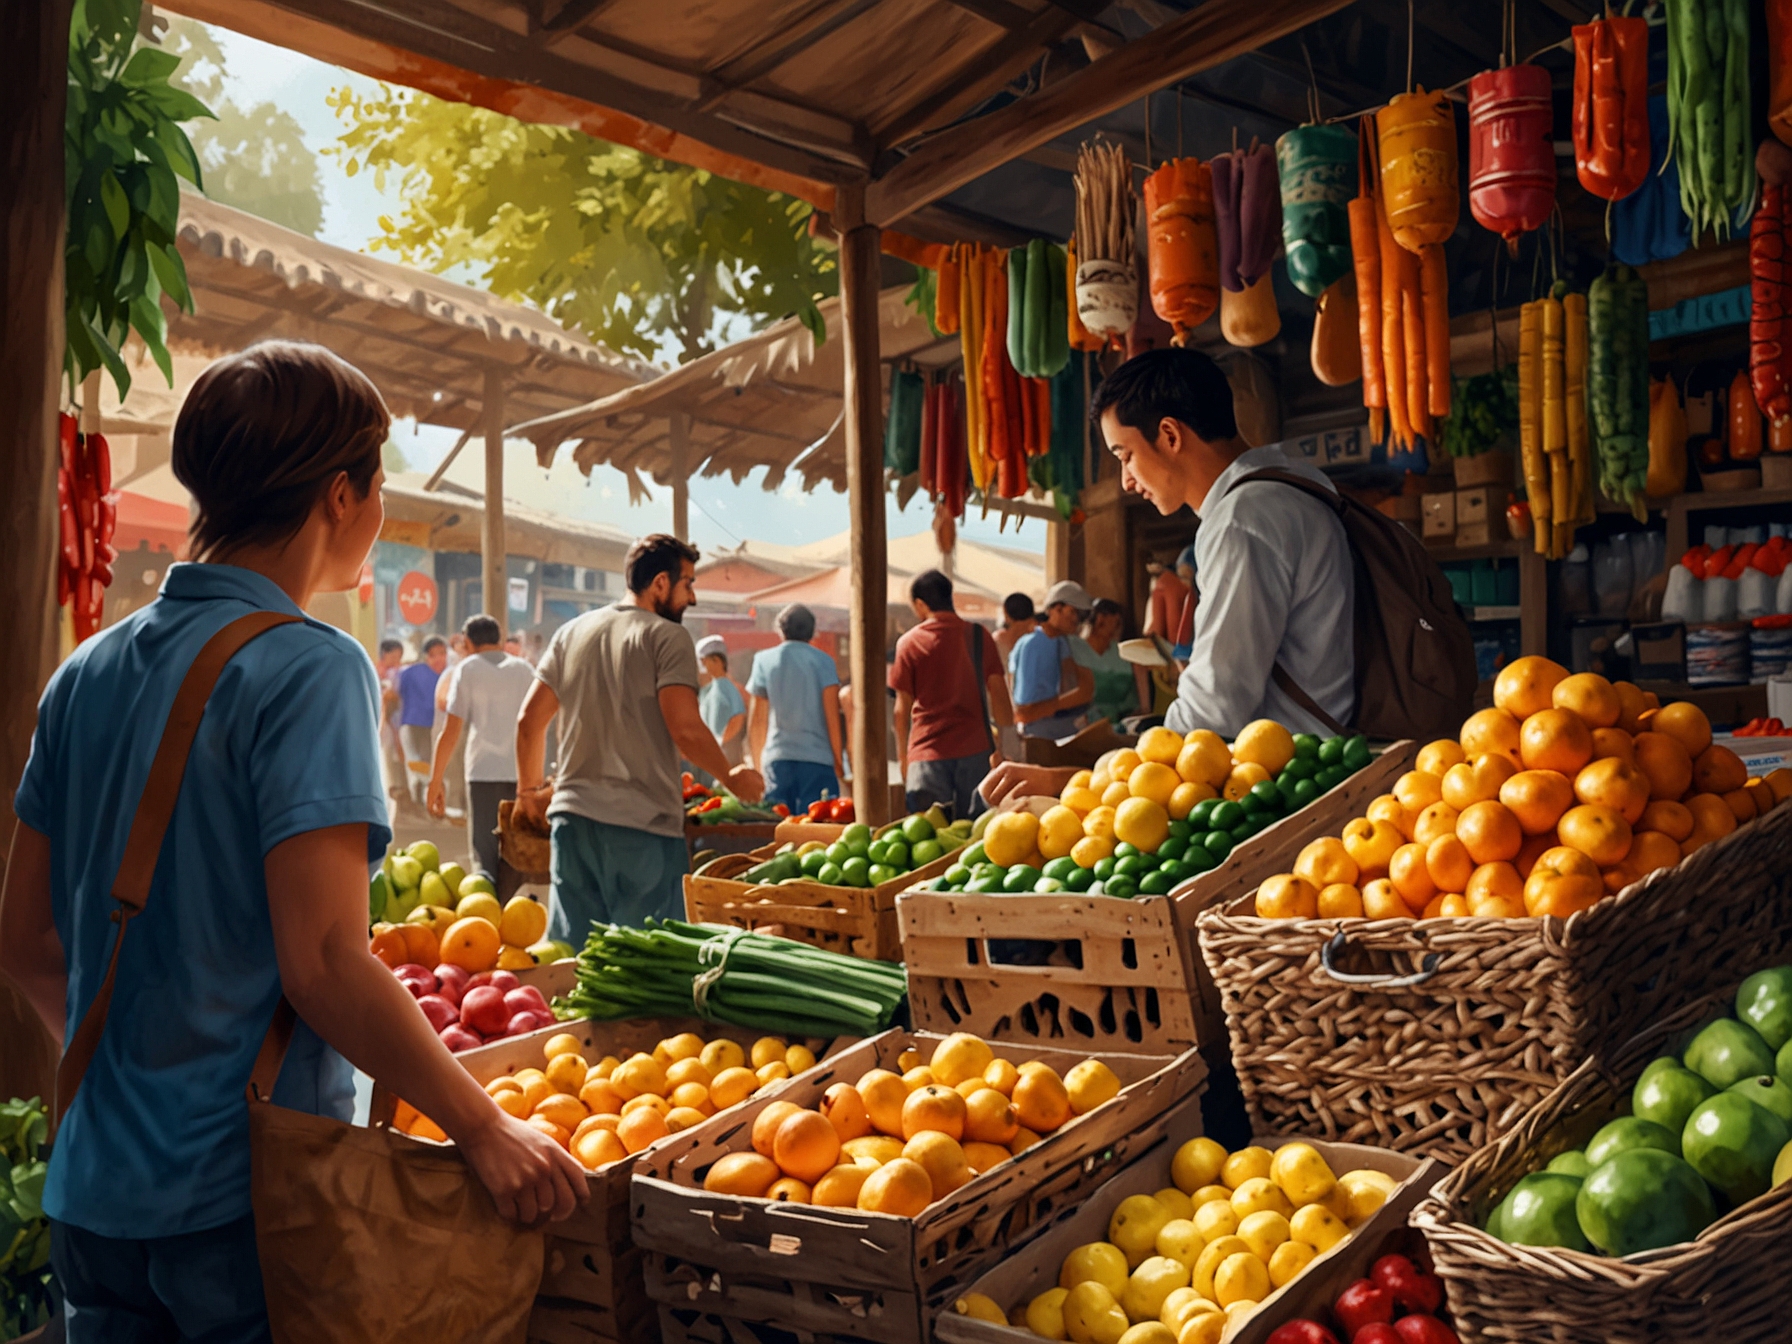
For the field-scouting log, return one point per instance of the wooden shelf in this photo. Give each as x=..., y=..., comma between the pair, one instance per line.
x=1502, y=613
x=1503, y=548
x=1682, y=507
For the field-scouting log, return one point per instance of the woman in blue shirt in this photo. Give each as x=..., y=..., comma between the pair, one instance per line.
x=260, y=886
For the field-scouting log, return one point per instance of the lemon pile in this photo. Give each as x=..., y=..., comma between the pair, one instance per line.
x=1185, y=1265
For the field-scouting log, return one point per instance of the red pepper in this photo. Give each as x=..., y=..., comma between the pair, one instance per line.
x=1770, y=349
x=1611, y=106
x=841, y=810
x=818, y=810
x=711, y=805
x=780, y=809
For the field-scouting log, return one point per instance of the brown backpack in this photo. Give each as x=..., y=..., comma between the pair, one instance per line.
x=1415, y=657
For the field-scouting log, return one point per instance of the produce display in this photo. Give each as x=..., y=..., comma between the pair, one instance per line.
x=897, y=1142
x=1567, y=790
x=87, y=516
x=1511, y=151
x=862, y=858
x=670, y=969
x=1200, y=1255
x=1708, y=1130
x=603, y=1112
x=1708, y=110
x=424, y=911
x=1553, y=435
x=469, y=1009
x=1148, y=818
x=28, y=1293
x=1618, y=384
x=711, y=807
x=1397, y=1304
x=1182, y=243
x=1610, y=119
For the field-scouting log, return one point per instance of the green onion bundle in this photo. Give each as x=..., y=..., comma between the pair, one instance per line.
x=675, y=969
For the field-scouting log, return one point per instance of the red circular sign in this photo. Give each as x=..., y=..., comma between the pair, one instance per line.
x=364, y=585
x=416, y=598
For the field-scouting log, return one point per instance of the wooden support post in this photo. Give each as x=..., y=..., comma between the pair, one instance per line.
x=863, y=392
x=1533, y=603
x=678, y=433
x=494, y=583
x=1057, y=551
x=33, y=103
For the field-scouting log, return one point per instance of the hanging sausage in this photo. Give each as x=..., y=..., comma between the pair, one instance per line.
x=1314, y=165
x=1610, y=113
x=1511, y=151
x=1107, y=282
x=1769, y=330
x=1183, y=246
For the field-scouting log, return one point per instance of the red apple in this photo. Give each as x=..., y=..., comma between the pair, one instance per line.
x=527, y=999
x=452, y=981
x=1412, y=1288
x=482, y=1010
x=544, y=1018
x=1302, y=1332
x=458, y=1038
x=1423, y=1329
x=520, y=1025
x=504, y=981
x=1363, y=1303
x=483, y=978
x=440, y=1012
x=420, y=980
x=1378, y=1332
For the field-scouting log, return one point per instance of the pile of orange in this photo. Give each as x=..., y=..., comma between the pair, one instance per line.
x=1567, y=790
x=896, y=1142
x=605, y=1111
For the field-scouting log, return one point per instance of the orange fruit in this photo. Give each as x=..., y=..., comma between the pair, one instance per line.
x=983, y=1156
x=1590, y=696
x=933, y=1107
x=1711, y=818
x=683, y=1117
x=873, y=1150
x=1612, y=783
x=921, y=1076
x=989, y=1117
x=597, y=1148
x=1668, y=818
x=805, y=1146
x=1666, y=762
x=1614, y=742
x=1780, y=782
x=472, y=944
x=1563, y=882
x=1535, y=846
x=1496, y=907
x=563, y=1110
x=512, y=1102
x=591, y=1122
x=1407, y=871
x=688, y=1069
x=1341, y=900
x=765, y=1124
x=1537, y=798
x=1718, y=770
x=789, y=1190
x=941, y=1157
x=1601, y=833
x=1438, y=819
x=1416, y=790
x=1490, y=731
x=1286, y=896
x=1437, y=757
x=845, y=1111
x=902, y=1187
x=883, y=1093
x=601, y=1097
x=638, y=1074
x=691, y=1097
x=1371, y=844
x=1449, y=863
x=1002, y=1076
x=1324, y=862
x=1495, y=881
x=555, y=1132
x=1631, y=705
x=1041, y=1101
x=1381, y=901
x=1387, y=808
x=1555, y=739
x=1742, y=803
x=1446, y=905
x=742, y=1174
x=839, y=1189
x=1491, y=832
x=1685, y=723
x=640, y=1128
x=731, y=1086
x=649, y=1100
x=1759, y=790
x=1526, y=686
x=1649, y=850
x=1477, y=781
x=1023, y=1141
x=959, y=1057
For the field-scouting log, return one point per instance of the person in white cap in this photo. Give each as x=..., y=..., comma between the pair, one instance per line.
x=721, y=703
x=1041, y=667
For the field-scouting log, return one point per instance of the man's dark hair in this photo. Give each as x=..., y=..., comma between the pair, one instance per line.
x=932, y=590
x=482, y=630
x=391, y=646
x=434, y=642
x=797, y=622
x=1168, y=384
x=723, y=658
x=650, y=557
x=263, y=432
x=1018, y=607
x=1106, y=606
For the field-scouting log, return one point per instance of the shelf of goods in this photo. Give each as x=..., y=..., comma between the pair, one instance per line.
x=1725, y=1283
x=1140, y=985
x=736, y=1268
x=1436, y=1034
x=592, y=1289
x=1039, y=1267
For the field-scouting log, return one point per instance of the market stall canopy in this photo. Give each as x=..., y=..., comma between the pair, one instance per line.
x=771, y=400
x=448, y=519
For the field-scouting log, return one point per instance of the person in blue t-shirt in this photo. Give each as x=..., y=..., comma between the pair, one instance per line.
x=417, y=715
x=1051, y=692
x=260, y=887
x=794, y=717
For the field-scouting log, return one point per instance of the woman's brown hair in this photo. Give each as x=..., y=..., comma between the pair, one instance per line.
x=263, y=432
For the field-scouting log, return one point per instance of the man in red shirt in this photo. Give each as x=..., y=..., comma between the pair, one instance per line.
x=943, y=740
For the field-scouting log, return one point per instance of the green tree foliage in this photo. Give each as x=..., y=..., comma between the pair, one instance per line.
x=25, y=1293
x=124, y=152
x=255, y=158
x=633, y=251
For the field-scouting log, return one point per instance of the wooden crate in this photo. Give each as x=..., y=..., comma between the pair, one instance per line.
x=1021, y=1277
x=846, y=1274
x=1141, y=985
x=554, y=980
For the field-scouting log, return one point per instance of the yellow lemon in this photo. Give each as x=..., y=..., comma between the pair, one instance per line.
x=722, y=1054
x=1265, y=743
x=1115, y=794
x=523, y=922
x=1197, y=1163
x=1090, y=1084
x=1045, y=1314
x=1263, y=1231
x=1092, y=1315
x=1212, y=1256
x=1244, y=1164
x=1154, y=781
x=563, y=1044
x=980, y=1308
x=798, y=1058
x=1081, y=801
x=1125, y=761
x=1240, y=1278
x=1179, y=1239
x=1160, y=746
x=1098, y=1262
x=1237, y=1313
x=1204, y=1327
x=1184, y=797
x=1059, y=830
x=1318, y=1226
x=960, y=1056
x=1180, y=1306
x=1204, y=758
x=1142, y=823
x=1080, y=780
x=1257, y=1194
x=1243, y=778
x=1010, y=837
x=566, y=1073
x=1364, y=1192
x=1134, y=1227
x=1305, y=1176
x=1148, y=1332
x=480, y=905
x=1179, y=1204
x=1215, y=1219
x=1091, y=850
x=769, y=1050
x=1290, y=1258
x=1153, y=1281
x=1099, y=824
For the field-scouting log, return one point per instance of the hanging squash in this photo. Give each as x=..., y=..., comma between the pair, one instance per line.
x=1038, y=331
x=1249, y=317
x=1314, y=166
x=1511, y=151
x=1419, y=180
x=1667, y=441
x=1337, y=355
x=1183, y=246
x=1610, y=113
x=1107, y=280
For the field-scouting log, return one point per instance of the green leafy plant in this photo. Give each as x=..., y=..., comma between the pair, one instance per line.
x=1481, y=410
x=125, y=154
x=26, y=1295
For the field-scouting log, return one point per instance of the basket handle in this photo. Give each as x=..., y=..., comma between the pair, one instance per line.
x=1337, y=943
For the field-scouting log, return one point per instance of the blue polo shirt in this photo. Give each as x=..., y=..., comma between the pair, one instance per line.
x=1036, y=665
x=157, y=1141
x=791, y=677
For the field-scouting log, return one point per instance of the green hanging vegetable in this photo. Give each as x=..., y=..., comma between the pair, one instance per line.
x=1618, y=382
x=1017, y=307
x=1708, y=111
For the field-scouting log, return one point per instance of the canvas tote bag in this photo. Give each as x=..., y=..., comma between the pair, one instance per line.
x=364, y=1235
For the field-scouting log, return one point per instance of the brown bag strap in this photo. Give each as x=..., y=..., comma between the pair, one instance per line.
x=155, y=808
x=1292, y=689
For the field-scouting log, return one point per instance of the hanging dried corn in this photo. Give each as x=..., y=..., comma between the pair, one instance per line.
x=1247, y=224
x=1107, y=280
x=1610, y=118
x=1511, y=151
x=1530, y=422
x=1365, y=251
x=1183, y=246
x=1313, y=165
x=1584, y=506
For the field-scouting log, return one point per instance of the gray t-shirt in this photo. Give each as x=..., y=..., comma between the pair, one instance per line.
x=486, y=692
x=617, y=760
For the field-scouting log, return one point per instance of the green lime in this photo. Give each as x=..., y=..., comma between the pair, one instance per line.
x=1264, y=791
x=1217, y=843
x=1021, y=877
x=1174, y=869
x=838, y=853
x=1330, y=777
x=813, y=862
x=1132, y=865
x=1356, y=753
x=1181, y=830
x=1079, y=879
x=1301, y=767
x=1123, y=887
x=1171, y=848
x=1331, y=751
x=957, y=875
x=1198, y=859
x=973, y=855
x=1124, y=850
x=1059, y=868
x=984, y=884
x=1104, y=868
x=1224, y=817
x=1305, y=791
x=925, y=852
x=896, y=853
x=1200, y=816
x=881, y=873
x=917, y=829
x=829, y=875
x=857, y=834
x=1306, y=745
x=1156, y=884
x=856, y=872
x=1246, y=829
x=1048, y=886
x=1256, y=807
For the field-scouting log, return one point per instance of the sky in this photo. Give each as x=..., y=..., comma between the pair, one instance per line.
x=722, y=513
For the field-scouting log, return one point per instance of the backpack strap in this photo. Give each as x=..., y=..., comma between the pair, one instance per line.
x=155, y=809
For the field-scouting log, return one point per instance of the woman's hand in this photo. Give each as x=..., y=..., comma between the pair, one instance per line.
x=532, y=1179
x=1011, y=779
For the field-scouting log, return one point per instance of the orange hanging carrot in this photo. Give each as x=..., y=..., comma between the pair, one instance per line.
x=1393, y=338
x=946, y=292
x=1412, y=323
x=1434, y=287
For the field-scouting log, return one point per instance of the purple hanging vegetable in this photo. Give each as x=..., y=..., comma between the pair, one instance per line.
x=1226, y=192
x=1259, y=213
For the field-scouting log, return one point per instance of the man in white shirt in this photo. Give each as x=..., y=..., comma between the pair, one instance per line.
x=485, y=695
x=1273, y=568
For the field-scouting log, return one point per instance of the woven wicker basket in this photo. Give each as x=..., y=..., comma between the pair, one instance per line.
x=1435, y=1036
x=529, y=852
x=1729, y=1285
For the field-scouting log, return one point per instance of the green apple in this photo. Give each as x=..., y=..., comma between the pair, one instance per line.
x=476, y=882
x=425, y=852
x=407, y=873
x=1728, y=1051
x=551, y=950
x=1765, y=1003
x=378, y=890
x=400, y=904
x=452, y=875
x=433, y=891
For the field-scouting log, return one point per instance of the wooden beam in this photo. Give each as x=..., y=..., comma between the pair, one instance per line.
x=773, y=48
x=869, y=618
x=678, y=435
x=493, y=580
x=1204, y=38
x=1002, y=13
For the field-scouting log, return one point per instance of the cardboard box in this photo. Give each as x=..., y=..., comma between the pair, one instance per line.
x=1658, y=651
x=1472, y=507
x=1439, y=513
x=1473, y=534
